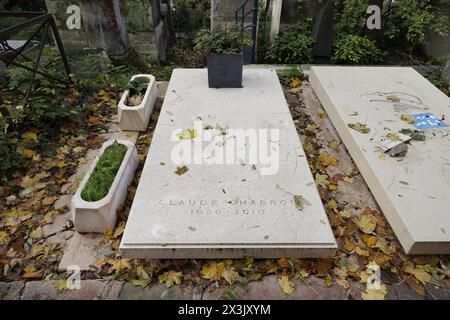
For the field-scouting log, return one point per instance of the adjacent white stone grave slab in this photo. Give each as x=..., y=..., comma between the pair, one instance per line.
x=413, y=191
x=226, y=210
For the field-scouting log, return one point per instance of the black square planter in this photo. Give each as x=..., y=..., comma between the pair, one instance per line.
x=225, y=70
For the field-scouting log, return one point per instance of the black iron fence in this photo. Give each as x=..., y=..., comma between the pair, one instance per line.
x=14, y=52
x=242, y=14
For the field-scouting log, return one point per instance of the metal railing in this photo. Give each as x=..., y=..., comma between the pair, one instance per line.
x=9, y=54
x=240, y=15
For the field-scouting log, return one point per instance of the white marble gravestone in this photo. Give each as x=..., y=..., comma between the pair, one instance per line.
x=413, y=191
x=240, y=208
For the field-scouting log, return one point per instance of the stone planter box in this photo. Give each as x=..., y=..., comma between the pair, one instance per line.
x=225, y=70
x=135, y=118
x=98, y=216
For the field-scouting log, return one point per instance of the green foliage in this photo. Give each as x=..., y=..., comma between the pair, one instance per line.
x=162, y=72
x=405, y=23
x=436, y=79
x=53, y=106
x=19, y=78
x=10, y=158
x=41, y=112
x=412, y=21
x=350, y=16
x=99, y=183
x=286, y=75
x=19, y=5
x=23, y=5
x=293, y=45
x=95, y=71
x=138, y=86
x=190, y=14
x=415, y=135
x=438, y=60
x=191, y=3
x=406, y=26
x=222, y=42
x=351, y=49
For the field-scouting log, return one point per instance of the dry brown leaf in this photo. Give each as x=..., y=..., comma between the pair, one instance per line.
x=416, y=286
x=348, y=245
x=367, y=223
x=360, y=127
x=393, y=98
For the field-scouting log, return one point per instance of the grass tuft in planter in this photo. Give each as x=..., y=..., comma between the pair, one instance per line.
x=104, y=173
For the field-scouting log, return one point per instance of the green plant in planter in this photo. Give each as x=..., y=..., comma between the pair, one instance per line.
x=99, y=183
x=137, y=89
x=221, y=42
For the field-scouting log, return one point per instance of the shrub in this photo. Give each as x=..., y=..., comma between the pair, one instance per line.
x=352, y=49
x=412, y=22
x=293, y=45
x=436, y=79
x=406, y=24
x=104, y=173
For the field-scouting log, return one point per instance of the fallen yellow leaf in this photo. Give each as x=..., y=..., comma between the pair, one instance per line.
x=296, y=82
x=60, y=285
x=367, y=223
x=418, y=273
x=375, y=294
x=188, y=134
x=286, y=285
x=170, y=278
x=30, y=136
x=122, y=264
x=328, y=281
x=213, y=271
x=27, y=153
x=371, y=241
x=326, y=160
